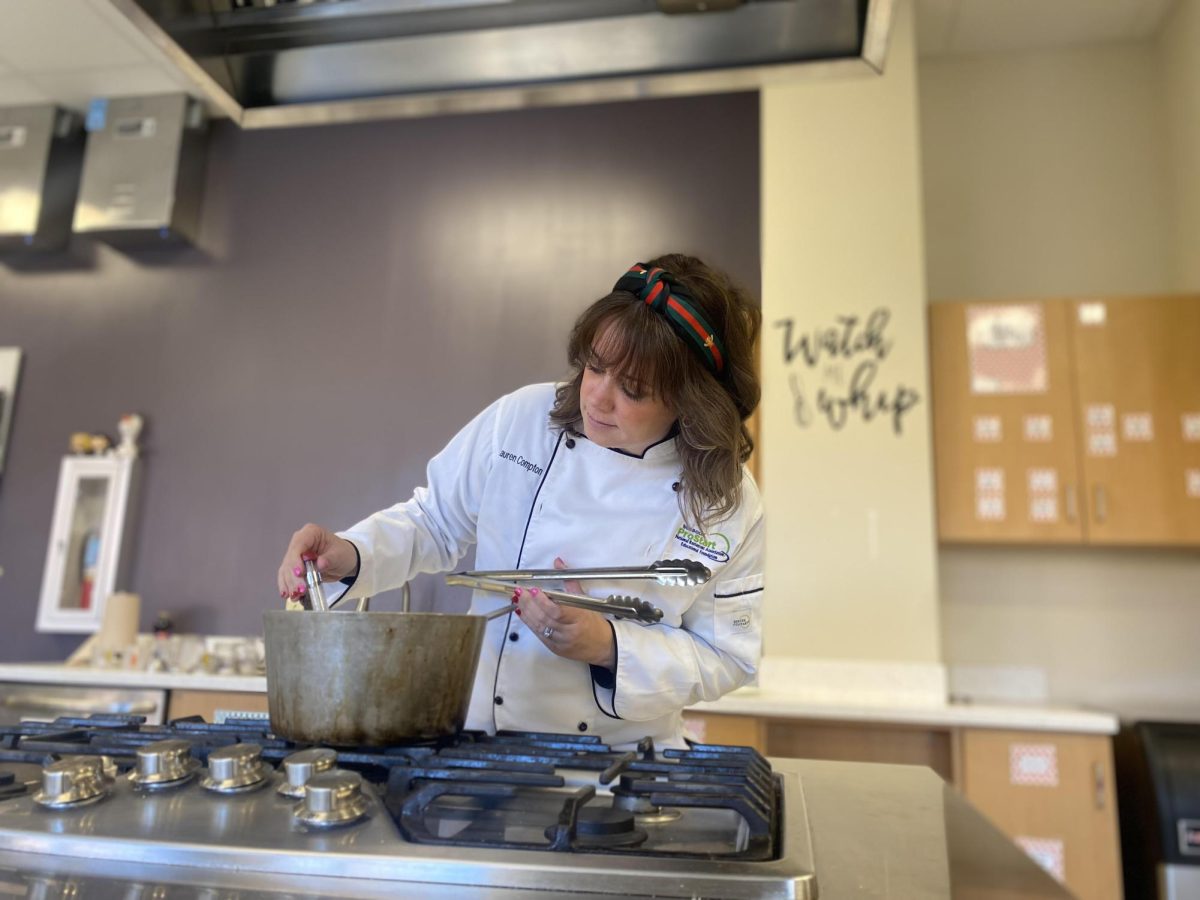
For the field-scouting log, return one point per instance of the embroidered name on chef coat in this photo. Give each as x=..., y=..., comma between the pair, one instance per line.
x=527, y=464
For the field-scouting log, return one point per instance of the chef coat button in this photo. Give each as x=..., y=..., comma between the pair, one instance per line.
x=570, y=443
x=499, y=701
x=583, y=726
x=676, y=486
x=512, y=635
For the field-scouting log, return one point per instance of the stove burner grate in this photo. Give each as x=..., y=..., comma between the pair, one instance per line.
x=505, y=790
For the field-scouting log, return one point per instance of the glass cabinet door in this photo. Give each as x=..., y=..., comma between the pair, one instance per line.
x=83, y=549
x=84, y=553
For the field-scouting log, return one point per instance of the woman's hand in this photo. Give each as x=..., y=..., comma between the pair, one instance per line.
x=335, y=556
x=568, y=632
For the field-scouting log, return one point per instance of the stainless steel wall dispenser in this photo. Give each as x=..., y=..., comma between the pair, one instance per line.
x=41, y=152
x=143, y=170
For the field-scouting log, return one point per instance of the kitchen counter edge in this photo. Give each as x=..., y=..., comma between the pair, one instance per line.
x=780, y=705
x=56, y=673
x=745, y=702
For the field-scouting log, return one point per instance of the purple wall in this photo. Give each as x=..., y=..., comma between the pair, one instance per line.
x=362, y=292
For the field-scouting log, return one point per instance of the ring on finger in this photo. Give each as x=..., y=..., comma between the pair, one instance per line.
x=548, y=632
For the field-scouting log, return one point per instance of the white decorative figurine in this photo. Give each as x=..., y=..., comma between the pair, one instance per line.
x=129, y=426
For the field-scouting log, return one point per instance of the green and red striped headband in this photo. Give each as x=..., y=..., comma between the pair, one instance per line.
x=658, y=290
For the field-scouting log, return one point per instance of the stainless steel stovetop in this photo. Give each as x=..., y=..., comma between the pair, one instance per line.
x=510, y=812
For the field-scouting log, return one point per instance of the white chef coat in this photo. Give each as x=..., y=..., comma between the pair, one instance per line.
x=528, y=491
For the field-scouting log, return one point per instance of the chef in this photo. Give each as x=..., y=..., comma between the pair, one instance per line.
x=637, y=457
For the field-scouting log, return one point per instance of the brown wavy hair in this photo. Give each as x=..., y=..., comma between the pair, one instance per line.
x=711, y=411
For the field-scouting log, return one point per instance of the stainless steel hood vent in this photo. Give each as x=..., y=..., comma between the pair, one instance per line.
x=274, y=62
x=41, y=151
x=143, y=171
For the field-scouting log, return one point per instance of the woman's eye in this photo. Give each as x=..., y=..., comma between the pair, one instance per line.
x=595, y=369
x=632, y=393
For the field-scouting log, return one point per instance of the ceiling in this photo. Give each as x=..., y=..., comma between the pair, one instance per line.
x=68, y=51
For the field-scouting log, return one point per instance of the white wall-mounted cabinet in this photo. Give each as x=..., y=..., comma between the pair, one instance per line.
x=87, y=537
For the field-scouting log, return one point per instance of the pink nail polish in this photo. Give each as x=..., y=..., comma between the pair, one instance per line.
x=533, y=591
x=298, y=572
x=518, y=612
x=519, y=592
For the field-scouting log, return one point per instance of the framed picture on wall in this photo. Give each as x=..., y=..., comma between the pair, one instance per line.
x=10, y=369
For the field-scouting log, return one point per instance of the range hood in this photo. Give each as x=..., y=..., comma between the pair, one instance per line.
x=143, y=172
x=41, y=152
x=278, y=63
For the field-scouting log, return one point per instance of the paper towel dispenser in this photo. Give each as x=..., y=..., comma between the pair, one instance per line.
x=143, y=170
x=41, y=150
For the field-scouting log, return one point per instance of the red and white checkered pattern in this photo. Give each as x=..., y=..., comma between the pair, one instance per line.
x=1033, y=764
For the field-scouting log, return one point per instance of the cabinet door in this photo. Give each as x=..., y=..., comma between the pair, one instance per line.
x=1138, y=377
x=719, y=728
x=206, y=704
x=84, y=554
x=1053, y=795
x=1004, y=422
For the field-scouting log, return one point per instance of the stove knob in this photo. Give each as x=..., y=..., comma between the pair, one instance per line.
x=163, y=763
x=238, y=767
x=333, y=798
x=303, y=765
x=73, y=781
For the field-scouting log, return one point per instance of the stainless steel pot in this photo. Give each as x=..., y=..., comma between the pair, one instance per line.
x=371, y=678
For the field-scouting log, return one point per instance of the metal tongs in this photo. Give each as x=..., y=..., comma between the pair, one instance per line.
x=316, y=592
x=616, y=605
x=671, y=572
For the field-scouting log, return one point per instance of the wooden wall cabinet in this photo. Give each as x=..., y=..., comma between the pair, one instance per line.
x=1083, y=426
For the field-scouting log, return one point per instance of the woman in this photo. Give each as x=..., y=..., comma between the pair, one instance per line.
x=638, y=457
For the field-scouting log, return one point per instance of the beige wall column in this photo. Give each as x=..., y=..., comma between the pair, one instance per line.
x=846, y=450
x=1181, y=78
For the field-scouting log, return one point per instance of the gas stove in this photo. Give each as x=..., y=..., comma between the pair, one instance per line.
x=514, y=810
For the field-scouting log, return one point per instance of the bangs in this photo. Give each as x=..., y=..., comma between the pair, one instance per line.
x=637, y=345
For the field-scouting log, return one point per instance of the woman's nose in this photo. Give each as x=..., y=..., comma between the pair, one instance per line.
x=602, y=393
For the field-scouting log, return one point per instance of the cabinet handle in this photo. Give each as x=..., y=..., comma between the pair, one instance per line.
x=1101, y=505
x=1072, y=503
x=1099, y=785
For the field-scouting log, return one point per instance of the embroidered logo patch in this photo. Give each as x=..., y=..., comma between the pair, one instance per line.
x=741, y=620
x=713, y=546
x=526, y=464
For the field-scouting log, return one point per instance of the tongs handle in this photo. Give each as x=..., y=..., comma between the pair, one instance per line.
x=616, y=605
x=665, y=571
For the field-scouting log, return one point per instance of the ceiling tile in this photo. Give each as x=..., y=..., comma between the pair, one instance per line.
x=56, y=35
x=74, y=89
x=17, y=91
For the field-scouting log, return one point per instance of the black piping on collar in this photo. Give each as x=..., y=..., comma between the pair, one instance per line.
x=670, y=435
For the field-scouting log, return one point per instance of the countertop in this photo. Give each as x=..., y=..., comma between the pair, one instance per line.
x=57, y=673
x=755, y=701
x=750, y=701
